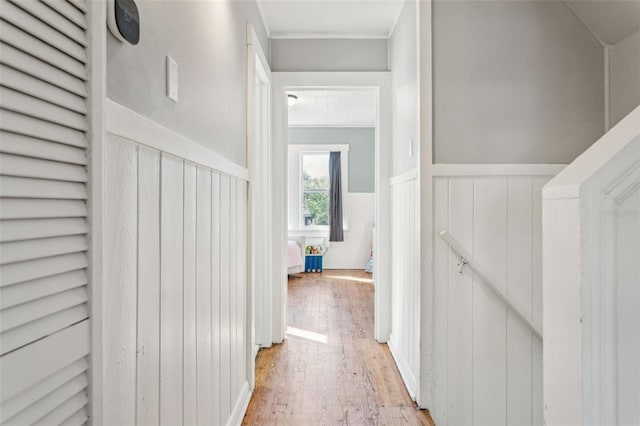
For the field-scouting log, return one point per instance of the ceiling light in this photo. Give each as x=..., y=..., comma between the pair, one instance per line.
x=292, y=99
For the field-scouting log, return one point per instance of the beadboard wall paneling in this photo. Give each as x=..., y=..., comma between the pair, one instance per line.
x=487, y=364
x=175, y=316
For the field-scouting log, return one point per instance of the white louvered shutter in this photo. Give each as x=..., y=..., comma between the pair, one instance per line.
x=44, y=315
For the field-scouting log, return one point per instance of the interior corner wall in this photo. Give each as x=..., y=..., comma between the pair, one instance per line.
x=514, y=82
x=403, y=60
x=327, y=55
x=625, y=77
x=208, y=42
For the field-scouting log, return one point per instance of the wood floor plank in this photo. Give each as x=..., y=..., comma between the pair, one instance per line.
x=330, y=370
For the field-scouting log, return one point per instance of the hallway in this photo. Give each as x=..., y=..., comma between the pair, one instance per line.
x=329, y=369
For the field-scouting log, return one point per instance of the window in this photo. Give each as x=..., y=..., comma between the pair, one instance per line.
x=308, y=187
x=315, y=188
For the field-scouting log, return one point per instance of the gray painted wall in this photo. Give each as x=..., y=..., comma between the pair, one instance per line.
x=625, y=77
x=403, y=56
x=208, y=41
x=329, y=55
x=514, y=82
x=361, y=143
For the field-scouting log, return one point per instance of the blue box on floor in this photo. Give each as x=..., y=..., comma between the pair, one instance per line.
x=313, y=263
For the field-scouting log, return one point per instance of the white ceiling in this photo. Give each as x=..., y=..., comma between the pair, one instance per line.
x=609, y=20
x=333, y=108
x=330, y=18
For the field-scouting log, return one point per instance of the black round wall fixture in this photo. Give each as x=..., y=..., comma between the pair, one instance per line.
x=124, y=20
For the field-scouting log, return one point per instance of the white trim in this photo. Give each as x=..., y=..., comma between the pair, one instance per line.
x=381, y=83
x=320, y=148
x=97, y=66
x=427, y=385
x=328, y=36
x=405, y=372
x=259, y=206
x=240, y=408
x=128, y=124
x=497, y=169
x=333, y=126
x=404, y=177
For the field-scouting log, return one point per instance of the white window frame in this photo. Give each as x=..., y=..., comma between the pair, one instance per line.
x=296, y=216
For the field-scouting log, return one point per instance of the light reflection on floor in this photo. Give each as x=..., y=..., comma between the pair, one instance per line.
x=306, y=334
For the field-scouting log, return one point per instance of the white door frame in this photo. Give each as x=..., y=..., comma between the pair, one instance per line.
x=259, y=284
x=381, y=83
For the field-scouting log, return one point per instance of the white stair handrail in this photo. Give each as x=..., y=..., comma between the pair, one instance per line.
x=469, y=260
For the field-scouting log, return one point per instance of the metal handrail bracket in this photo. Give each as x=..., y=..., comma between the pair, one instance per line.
x=469, y=260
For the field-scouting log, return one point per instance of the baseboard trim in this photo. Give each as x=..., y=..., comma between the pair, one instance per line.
x=240, y=408
x=405, y=372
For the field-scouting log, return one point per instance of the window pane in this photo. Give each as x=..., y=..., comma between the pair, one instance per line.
x=316, y=208
x=315, y=171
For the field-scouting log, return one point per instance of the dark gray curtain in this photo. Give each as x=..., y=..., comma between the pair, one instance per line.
x=335, y=198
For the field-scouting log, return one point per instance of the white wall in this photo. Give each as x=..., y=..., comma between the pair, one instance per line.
x=328, y=55
x=353, y=252
x=514, y=82
x=405, y=326
x=625, y=77
x=208, y=41
x=175, y=333
x=403, y=61
x=487, y=365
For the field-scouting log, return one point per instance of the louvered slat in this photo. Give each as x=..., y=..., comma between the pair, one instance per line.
x=26, y=146
x=28, y=23
x=27, y=312
x=80, y=4
x=59, y=350
x=41, y=68
x=69, y=11
x=52, y=18
x=39, y=188
x=26, y=271
x=29, y=229
x=14, y=165
x=24, y=125
x=42, y=327
x=37, y=88
x=65, y=410
x=28, y=105
x=24, y=292
x=15, y=208
x=21, y=251
x=78, y=419
x=48, y=403
x=41, y=389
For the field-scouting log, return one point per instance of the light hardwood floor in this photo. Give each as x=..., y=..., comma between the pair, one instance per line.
x=330, y=370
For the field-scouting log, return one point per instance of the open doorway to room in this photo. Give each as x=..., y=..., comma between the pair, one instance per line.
x=331, y=212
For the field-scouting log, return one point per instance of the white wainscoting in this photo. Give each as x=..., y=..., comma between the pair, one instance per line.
x=404, y=342
x=175, y=303
x=487, y=365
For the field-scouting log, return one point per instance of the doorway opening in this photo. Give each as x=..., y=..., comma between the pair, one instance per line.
x=331, y=192
x=344, y=117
